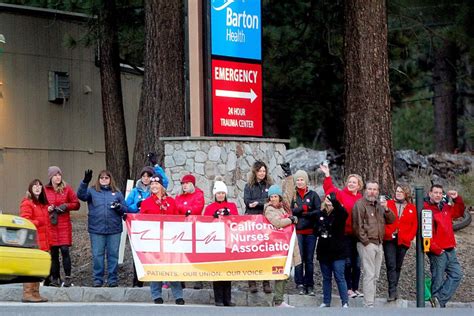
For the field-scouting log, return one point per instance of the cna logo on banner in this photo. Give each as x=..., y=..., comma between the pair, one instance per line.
x=178, y=237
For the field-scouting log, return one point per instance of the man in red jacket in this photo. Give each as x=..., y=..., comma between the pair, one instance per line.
x=442, y=253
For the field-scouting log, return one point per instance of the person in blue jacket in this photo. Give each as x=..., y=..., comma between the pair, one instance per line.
x=106, y=207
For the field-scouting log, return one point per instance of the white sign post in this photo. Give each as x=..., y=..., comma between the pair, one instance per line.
x=123, y=238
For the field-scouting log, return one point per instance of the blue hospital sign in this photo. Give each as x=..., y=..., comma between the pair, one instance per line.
x=236, y=28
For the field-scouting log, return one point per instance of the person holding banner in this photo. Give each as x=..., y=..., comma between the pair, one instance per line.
x=331, y=252
x=106, y=207
x=398, y=236
x=279, y=218
x=221, y=207
x=160, y=203
x=255, y=197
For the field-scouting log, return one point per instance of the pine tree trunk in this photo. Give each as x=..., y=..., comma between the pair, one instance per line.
x=161, y=111
x=444, y=100
x=116, y=150
x=368, y=123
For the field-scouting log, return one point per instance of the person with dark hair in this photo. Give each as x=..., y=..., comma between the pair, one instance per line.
x=160, y=203
x=221, y=207
x=398, y=236
x=62, y=199
x=106, y=208
x=369, y=217
x=255, y=197
x=348, y=196
x=331, y=251
x=34, y=207
x=446, y=272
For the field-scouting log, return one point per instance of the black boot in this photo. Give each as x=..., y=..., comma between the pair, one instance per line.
x=227, y=291
x=218, y=293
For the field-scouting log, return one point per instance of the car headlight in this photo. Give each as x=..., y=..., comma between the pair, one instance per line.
x=18, y=237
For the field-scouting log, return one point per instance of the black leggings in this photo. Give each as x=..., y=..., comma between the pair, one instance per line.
x=55, y=268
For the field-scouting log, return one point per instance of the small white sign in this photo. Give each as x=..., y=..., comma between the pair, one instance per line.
x=427, y=224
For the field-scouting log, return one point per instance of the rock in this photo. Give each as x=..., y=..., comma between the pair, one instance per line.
x=201, y=156
x=305, y=159
x=214, y=153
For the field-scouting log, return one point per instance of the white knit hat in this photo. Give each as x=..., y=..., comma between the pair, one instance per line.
x=219, y=186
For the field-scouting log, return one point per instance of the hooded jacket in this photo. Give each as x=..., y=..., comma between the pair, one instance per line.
x=138, y=194
x=39, y=216
x=405, y=225
x=190, y=201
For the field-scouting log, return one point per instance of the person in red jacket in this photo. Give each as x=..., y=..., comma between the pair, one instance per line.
x=398, y=236
x=221, y=207
x=34, y=207
x=190, y=202
x=62, y=199
x=160, y=203
x=446, y=273
x=347, y=197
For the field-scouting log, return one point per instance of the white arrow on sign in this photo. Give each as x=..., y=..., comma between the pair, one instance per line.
x=237, y=94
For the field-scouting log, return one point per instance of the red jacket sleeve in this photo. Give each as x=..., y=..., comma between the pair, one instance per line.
x=457, y=210
x=72, y=201
x=328, y=186
x=27, y=211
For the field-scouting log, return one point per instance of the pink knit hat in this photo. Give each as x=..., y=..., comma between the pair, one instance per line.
x=54, y=170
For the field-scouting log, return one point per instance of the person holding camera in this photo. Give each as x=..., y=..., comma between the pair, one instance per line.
x=221, y=207
x=276, y=214
x=369, y=217
x=331, y=252
x=398, y=236
x=62, y=199
x=106, y=208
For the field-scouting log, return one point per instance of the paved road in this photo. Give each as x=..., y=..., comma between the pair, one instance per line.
x=137, y=309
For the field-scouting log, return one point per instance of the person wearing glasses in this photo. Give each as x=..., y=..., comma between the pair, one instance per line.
x=106, y=207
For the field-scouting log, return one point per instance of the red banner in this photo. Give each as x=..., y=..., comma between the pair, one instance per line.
x=203, y=248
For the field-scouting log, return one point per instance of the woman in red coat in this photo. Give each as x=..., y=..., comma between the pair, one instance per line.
x=221, y=207
x=34, y=207
x=398, y=236
x=347, y=197
x=62, y=199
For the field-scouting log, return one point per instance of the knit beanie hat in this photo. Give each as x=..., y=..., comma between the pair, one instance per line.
x=275, y=190
x=219, y=186
x=148, y=170
x=53, y=170
x=301, y=174
x=189, y=178
x=156, y=178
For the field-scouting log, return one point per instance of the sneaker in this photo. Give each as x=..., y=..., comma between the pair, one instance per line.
x=359, y=294
x=97, y=285
x=198, y=285
x=266, y=287
x=158, y=300
x=68, y=282
x=351, y=294
x=114, y=284
x=253, y=287
x=179, y=301
x=435, y=302
x=345, y=306
x=55, y=283
x=284, y=304
x=310, y=291
x=301, y=289
x=324, y=305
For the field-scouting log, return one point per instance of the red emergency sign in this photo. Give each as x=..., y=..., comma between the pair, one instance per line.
x=236, y=98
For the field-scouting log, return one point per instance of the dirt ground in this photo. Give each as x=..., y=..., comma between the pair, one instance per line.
x=82, y=270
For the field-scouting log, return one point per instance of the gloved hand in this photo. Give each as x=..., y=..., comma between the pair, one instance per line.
x=53, y=217
x=293, y=219
x=62, y=208
x=115, y=205
x=226, y=212
x=87, y=176
x=152, y=158
x=216, y=214
x=188, y=212
x=139, y=204
x=332, y=197
x=124, y=216
x=286, y=169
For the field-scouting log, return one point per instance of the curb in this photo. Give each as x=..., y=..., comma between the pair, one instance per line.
x=13, y=292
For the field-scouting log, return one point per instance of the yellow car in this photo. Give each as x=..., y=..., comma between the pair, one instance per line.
x=20, y=259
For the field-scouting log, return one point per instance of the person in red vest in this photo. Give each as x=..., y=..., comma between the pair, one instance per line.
x=221, y=207
x=446, y=273
x=348, y=196
x=398, y=236
x=190, y=202
x=160, y=203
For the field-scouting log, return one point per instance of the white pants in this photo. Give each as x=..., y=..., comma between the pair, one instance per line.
x=371, y=258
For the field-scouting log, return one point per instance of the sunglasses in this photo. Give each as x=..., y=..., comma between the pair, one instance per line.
x=104, y=177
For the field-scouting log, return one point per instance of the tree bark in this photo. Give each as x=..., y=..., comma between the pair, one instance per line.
x=116, y=150
x=161, y=111
x=444, y=100
x=368, y=123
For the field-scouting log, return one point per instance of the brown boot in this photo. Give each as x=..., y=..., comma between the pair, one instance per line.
x=253, y=287
x=266, y=287
x=37, y=293
x=29, y=293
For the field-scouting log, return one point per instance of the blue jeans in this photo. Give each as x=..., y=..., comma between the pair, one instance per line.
x=327, y=270
x=352, y=270
x=156, y=289
x=307, y=244
x=441, y=287
x=102, y=246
